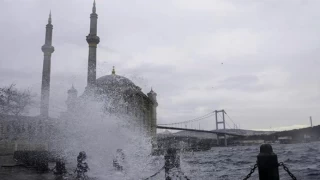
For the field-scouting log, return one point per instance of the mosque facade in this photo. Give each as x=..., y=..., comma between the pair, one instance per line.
x=121, y=94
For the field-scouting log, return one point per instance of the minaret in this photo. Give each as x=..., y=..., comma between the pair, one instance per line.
x=93, y=40
x=72, y=99
x=47, y=50
x=153, y=97
x=113, y=71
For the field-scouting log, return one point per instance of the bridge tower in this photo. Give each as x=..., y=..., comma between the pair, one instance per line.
x=221, y=122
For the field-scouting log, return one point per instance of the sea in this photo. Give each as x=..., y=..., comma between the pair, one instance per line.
x=219, y=163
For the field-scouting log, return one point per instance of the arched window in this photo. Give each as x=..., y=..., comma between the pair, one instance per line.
x=23, y=129
x=17, y=127
x=8, y=128
x=41, y=129
x=29, y=128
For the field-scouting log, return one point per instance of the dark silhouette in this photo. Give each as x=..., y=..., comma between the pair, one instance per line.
x=60, y=168
x=119, y=160
x=82, y=166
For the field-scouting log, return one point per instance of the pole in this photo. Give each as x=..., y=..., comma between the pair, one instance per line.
x=224, y=127
x=217, y=125
x=267, y=163
x=311, y=121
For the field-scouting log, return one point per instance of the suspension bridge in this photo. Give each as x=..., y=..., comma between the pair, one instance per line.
x=220, y=122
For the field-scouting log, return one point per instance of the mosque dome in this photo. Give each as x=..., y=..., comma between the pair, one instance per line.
x=114, y=81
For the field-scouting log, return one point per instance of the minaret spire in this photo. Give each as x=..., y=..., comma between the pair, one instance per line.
x=49, y=20
x=93, y=40
x=113, y=71
x=94, y=7
x=47, y=50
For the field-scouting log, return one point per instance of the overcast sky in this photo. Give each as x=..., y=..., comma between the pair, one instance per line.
x=256, y=59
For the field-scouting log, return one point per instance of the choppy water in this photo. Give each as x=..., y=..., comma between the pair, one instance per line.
x=222, y=163
x=235, y=162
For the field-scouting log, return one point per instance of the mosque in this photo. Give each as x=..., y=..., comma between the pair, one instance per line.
x=122, y=95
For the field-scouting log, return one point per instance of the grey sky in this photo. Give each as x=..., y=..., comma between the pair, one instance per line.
x=269, y=50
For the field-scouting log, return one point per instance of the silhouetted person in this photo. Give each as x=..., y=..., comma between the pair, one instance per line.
x=172, y=161
x=82, y=166
x=118, y=160
x=60, y=168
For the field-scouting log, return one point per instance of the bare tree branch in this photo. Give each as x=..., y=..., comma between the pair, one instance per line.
x=14, y=101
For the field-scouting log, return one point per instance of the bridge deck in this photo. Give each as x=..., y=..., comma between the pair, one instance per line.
x=204, y=131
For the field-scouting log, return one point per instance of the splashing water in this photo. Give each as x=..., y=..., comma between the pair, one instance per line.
x=100, y=134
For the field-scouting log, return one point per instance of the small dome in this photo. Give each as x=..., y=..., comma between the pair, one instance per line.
x=152, y=92
x=72, y=90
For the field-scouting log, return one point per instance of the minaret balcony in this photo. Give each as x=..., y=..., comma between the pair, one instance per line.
x=47, y=48
x=93, y=39
x=49, y=26
x=94, y=15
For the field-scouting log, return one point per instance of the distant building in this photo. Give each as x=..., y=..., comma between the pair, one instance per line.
x=186, y=140
x=285, y=139
x=307, y=138
x=249, y=142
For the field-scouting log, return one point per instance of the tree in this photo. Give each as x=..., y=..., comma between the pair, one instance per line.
x=15, y=102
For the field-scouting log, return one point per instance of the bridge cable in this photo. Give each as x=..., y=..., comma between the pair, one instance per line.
x=186, y=122
x=192, y=120
x=230, y=118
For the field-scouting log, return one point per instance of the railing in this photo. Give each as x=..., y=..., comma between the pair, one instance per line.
x=171, y=166
x=267, y=164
